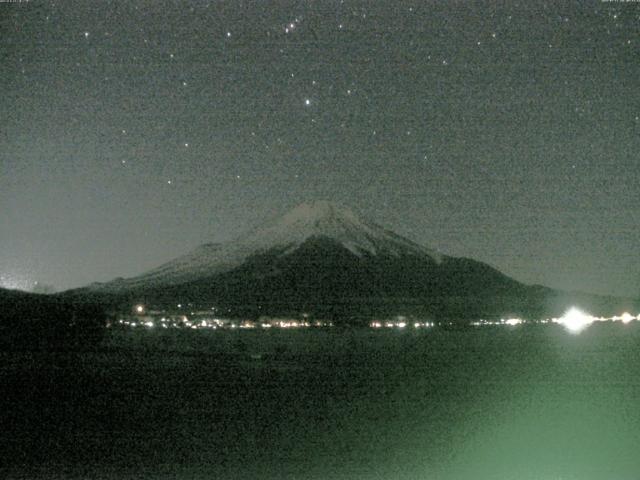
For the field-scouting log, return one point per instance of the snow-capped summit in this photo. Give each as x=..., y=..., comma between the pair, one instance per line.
x=285, y=234
x=333, y=221
x=323, y=260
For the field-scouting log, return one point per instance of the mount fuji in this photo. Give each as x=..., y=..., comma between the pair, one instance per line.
x=322, y=259
x=309, y=222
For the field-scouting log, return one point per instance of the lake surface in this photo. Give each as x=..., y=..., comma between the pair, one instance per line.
x=525, y=402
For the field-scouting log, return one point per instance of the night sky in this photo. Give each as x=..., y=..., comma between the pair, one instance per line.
x=133, y=131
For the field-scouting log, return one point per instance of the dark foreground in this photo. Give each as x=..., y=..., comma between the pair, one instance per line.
x=492, y=403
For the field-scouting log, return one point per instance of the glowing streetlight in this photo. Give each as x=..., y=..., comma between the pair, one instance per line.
x=139, y=309
x=626, y=317
x=575, y=320
x=513, y=321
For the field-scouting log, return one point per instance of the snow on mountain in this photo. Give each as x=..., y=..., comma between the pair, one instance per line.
x=284, y=234
x=326, y=219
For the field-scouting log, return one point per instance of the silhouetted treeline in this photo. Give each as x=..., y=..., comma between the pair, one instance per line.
x=43, y=322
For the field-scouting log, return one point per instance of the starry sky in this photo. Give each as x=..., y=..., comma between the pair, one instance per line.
x=508, y=132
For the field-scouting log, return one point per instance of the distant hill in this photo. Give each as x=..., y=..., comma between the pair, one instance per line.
x=324, y=260
x=35, y=321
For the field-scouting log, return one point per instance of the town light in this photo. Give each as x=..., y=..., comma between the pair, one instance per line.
x=626, y=317
x=575, y=320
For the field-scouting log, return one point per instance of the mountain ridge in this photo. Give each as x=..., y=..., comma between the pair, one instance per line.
x=307, y=220
x=324, y=260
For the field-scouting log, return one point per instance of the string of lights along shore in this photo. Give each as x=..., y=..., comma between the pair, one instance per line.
x=505, y=132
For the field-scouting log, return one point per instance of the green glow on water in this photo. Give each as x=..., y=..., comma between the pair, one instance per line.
x=523, y=403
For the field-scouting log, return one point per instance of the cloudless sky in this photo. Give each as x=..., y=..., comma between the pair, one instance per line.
x=508, y=132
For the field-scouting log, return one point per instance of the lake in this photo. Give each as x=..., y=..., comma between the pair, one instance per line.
x=523, y=402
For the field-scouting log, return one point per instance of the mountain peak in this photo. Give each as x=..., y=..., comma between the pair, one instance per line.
x=311, y=220
x=330, y=220
x=321, y=217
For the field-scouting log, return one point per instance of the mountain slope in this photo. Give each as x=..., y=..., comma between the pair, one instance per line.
x=286, y=233
x=324, y=260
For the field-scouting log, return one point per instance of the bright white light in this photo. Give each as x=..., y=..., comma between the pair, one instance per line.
x=575, y=320
x=139, y=309
x=513, y=321
x=307, y=102
x=402, y=324
x=626, y=317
